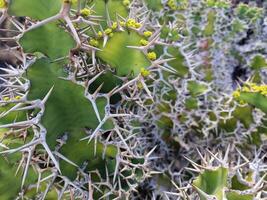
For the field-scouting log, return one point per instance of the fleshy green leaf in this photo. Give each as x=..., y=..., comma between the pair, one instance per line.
x=118, y=55
x=256, y=99
x=9, y=184
x=154, y=5
x=67, y=111
x=258, y=62
x=195, y=88
x=179, y=62
x=244, y=114
x=112, y=7
x=209, y=29
x=49, y=39
x=236, y=196
x=212, y=182
x=36, y=9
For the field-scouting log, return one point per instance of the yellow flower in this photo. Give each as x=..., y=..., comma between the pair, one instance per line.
x=152, y=56
x=252, y=87
x=18, y=97
x=93, y=43
x=137, y=25
x=172, y=4
x=3, y=4
x=6, y=98
x=236, y=94
x=126, y=2
x=147, y=33
x=114, y=25
x=256, y=88
x=252, y=84
x=86, y=12
x=245, y=89
x=108, y=31
x=122, y=23
x=100, y=34
x=143, y=42
x=140, y=85
x=144, y=72
x=131, y=23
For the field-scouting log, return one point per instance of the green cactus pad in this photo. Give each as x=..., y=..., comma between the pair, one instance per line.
x=109, y=81
x=179, y=62
x=256, y=99
x=196, y=89
x=118, y=55
x=211, y=19
x=81, y=151
x=244, y=114
x=12, y=116
x=154, y=5
x=212, y=182
x=49, y=40
x=258, y=62
x=235, y=196
x=66, y=111
x=112, y=7
x=10, y=184
x=40, y=9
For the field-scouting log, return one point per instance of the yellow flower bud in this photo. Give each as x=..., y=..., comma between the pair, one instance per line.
x=108, y=31
x=143, y=42
x=144, y=72
x=93, y=43
x=236, y=94
x=122, y=23
x=86, y=12
x=6, y=98
x=100, y=34
x=3, y=4
x=114, y=25
x=152, y=56
x=245, y=89
x=147, y=33
x=137, y=25
x=131, y=23
x=140, y=85
x=172, y=4
x=126, y=2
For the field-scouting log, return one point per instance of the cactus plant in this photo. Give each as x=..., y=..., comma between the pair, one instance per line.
x=57, y=111
x=229, y=181
x=107, y=99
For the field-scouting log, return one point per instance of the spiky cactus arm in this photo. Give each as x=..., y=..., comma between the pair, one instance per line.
x=237, y=180
x=196, y=107
x=56, y=106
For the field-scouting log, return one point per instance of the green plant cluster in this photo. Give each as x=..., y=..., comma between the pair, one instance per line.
x=133, y=99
